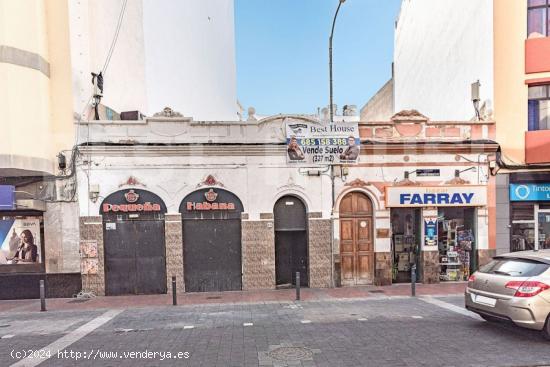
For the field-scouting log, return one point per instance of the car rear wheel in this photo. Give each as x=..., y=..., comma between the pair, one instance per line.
x=546, y=330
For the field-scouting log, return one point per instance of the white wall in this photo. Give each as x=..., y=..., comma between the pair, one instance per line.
x=92, y=28
x=441, y=47
x=190, y=57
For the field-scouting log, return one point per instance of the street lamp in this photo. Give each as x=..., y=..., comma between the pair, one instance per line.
x=340, y=2
x=330, y=57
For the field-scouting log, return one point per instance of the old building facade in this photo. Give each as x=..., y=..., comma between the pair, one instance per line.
x=216, y=205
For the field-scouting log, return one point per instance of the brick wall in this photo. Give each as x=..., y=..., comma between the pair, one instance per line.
x=258, y=247
x=429, y=267
x=174, y=251
x=91, y=229
x=383, y=268
x=320, y=272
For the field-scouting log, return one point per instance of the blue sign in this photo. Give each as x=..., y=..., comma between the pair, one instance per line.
x=7, y=197
x=530, y=192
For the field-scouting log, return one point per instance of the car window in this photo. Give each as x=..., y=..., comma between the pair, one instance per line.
x=514, y=267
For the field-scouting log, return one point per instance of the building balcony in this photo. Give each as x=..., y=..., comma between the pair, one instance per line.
x=537, y=146
x=536, y=55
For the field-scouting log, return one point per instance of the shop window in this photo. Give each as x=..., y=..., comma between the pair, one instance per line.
x=539, y=108
x=537, y=18
x=523, y=237
x=544, y=230
x=406, y=230
x=21, y=246
x=456, y=243
x=522, y=211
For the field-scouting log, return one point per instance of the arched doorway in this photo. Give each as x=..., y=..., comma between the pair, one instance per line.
x=134, y=246
x=212, y=240
x=291, y=238
x=356, y=239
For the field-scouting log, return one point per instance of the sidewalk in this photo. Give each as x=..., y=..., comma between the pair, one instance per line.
x=257, y=296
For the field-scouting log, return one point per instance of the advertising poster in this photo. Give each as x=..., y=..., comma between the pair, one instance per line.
x=312, y=143
x=20, y=241
x=430, y=231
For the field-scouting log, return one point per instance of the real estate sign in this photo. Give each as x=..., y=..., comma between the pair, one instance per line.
x=322, y=144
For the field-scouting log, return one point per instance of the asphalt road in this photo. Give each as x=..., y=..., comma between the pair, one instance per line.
x=399, y=331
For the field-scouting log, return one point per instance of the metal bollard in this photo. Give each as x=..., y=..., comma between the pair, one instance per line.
x=174, y=295
x=297, y=286
x=413, y=280
x=42, y=296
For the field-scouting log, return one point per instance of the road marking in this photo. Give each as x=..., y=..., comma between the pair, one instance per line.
x=450, y=307
x=248, y=324
x=189, y=327
x=8, y=336
x=306, y=321
x=362, y=319
x=63, y=342
x=417, y=317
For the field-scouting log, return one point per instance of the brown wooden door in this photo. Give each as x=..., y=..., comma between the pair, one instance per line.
x=356, y=240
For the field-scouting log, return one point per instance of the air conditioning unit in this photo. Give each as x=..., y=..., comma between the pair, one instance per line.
x=132, y=115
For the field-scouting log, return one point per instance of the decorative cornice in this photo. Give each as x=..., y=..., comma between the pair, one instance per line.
x=132, y=181
x=406, y=182
x=358, y=183
x=210, y=180
x=167, y=112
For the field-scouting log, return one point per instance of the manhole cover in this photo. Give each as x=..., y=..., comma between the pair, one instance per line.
x=79, y=300
x=291, y=353
x=214, y=297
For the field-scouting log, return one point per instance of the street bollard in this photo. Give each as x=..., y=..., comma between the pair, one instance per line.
x=297, y=286
x=42, y=296
x=413, y=280
x=174, y=295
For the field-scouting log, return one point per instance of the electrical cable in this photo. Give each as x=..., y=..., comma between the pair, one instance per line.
x=115, y=38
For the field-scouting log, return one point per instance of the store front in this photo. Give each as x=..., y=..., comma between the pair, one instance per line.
x=134, y=243
x=436, y=228
x=406, y=225
x=291, y=242
x=530, y=215
x=212, y=240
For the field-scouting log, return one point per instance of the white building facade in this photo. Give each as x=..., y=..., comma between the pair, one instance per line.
x=216, y=205
x=440, y=48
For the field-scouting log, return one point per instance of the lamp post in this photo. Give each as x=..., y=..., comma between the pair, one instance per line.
x=340, y=2
x=331, y=108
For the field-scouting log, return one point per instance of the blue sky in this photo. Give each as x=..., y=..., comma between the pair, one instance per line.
x=282, y=52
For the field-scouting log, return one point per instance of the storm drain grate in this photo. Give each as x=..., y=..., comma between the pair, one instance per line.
x=79, y=300
x=5, y=325
x=291, y=353
x=214, y=297
x=376, y=291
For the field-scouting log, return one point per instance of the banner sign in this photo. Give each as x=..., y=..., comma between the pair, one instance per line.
x=132, y=201
x=20, y=240
x=430, y=231
x=411, y=196
x=7, y=197
x=530, y=192
x=314, y=143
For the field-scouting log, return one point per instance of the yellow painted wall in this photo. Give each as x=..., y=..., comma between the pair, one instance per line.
x=36, y=110
x=62, y=121
x=510, y=95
